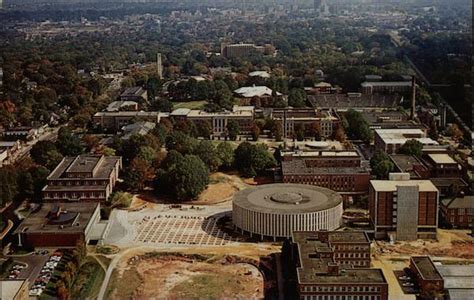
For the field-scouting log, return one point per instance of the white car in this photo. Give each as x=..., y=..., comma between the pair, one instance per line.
x=35, y=292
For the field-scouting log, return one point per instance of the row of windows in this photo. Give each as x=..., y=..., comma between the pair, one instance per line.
x=461, y=219
x=351, y=247
x=464, y=211
x=340, y=289
x=77, y=183
x=339, y=297
x=74, y=195
x=352, y=255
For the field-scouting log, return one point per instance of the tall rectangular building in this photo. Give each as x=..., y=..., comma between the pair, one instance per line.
x=403, y=208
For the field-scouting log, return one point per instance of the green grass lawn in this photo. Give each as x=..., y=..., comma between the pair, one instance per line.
x=190, y=104
x=88, y=280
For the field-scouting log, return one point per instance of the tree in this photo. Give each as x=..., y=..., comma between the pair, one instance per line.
x=46, y=154
x=255, y=132
x=39, y=175
x=357, y=126
x=233, y=129
x=208, y=154
x=411, y=147
x=91, y=142
x=339, y=134
x=139, y=173
x=243, y=159
x=67, y=144
x=8, y=185
x=313, y=130
x=299, y=132
x=454, y=132
x=297, y=97
x=120, y=199
x=433, y=130
x=381, y=164
x=181, y=142
x=226, y=154
x=251, y=160
x=204, y=129
x=26, y=182
x=190, y=177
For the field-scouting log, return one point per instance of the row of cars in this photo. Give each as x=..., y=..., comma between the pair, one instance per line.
x=45, y=275
x=15, y=271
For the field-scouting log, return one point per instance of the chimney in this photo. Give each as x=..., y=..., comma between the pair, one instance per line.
x=413, y=97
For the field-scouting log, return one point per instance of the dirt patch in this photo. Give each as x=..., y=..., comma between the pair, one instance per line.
x=178, y=276
x=450, y=243
x=259, y=180
x=220, y=189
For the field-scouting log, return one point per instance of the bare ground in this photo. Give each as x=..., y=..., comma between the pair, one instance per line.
x=173, y=276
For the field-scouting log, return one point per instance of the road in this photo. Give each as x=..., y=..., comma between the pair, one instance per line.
x=50, y=134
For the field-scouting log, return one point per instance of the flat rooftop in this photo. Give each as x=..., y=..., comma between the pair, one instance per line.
x=101, y=168
x=299, y=167
x=425, y=266
x=287, y=198
x=406, y=163
x=443, y=158
x=79, y=216
x=315, y=270
x=391, y=185
x=321, y=153
x=333, y=236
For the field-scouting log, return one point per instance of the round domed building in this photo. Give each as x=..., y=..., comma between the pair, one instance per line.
x=276, y=210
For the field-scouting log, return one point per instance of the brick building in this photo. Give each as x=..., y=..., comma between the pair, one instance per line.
x=426, y=274
x=325, y=120
x=83, y=178
x=403, y=208
x=62, y=225
x=332, y=265
x=445, y=173
x=340, y=171
x=459, y=211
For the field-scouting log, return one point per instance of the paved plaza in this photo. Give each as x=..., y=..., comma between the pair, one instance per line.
x=165, y=225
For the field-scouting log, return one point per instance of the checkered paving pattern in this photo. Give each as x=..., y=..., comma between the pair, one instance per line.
x=181, y=230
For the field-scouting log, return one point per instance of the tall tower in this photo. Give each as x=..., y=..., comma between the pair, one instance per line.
x=159, y=66
x=413, y=98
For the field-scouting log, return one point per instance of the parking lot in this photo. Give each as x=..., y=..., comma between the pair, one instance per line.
x=46, y=273
x=406, y=281
x=168, y=225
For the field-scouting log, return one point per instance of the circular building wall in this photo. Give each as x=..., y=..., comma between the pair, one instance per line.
x=276, y=210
